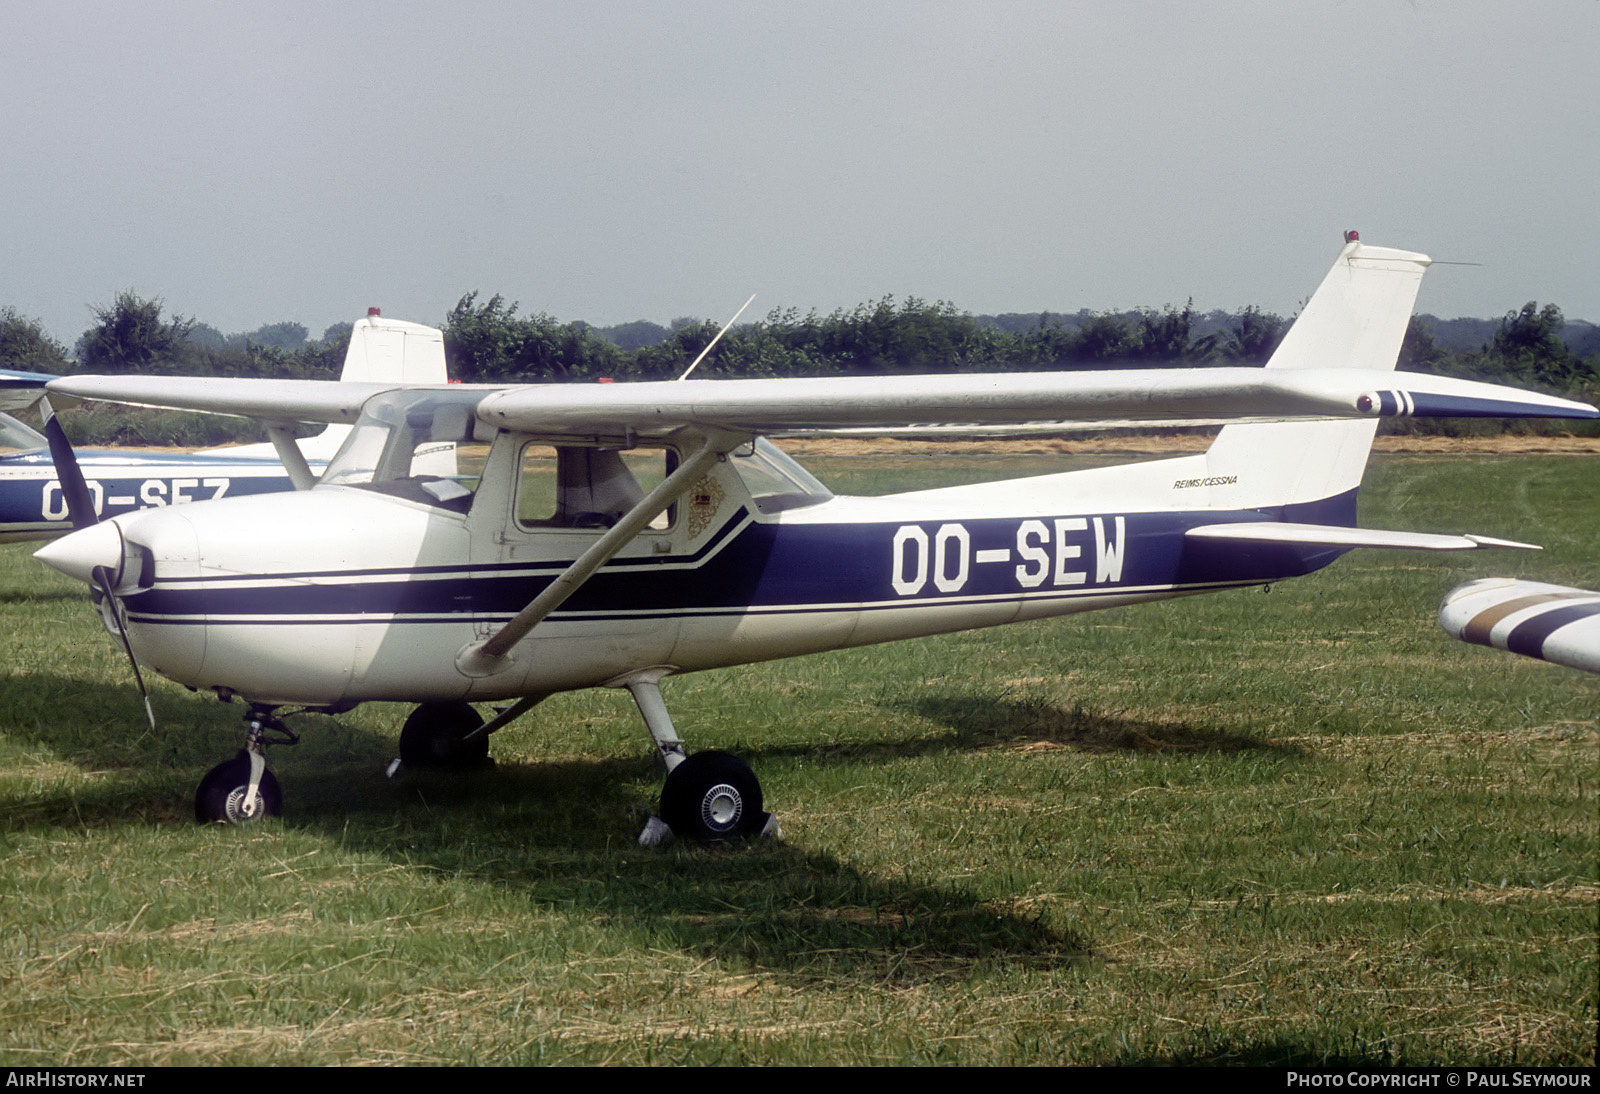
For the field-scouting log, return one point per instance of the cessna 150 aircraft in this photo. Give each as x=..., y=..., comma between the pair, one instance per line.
x=33, y=506
x=673, y=538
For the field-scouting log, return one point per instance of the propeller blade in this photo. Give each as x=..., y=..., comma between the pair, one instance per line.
x=80, y=507
x=80, y=503
x=103, y=579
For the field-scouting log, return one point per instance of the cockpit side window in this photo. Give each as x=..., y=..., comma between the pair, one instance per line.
x=570, y=486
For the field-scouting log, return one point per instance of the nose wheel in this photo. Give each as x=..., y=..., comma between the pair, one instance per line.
x=227, y=796
x=242, y=790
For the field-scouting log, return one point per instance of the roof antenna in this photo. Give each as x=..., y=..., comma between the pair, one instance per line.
x=718, y=338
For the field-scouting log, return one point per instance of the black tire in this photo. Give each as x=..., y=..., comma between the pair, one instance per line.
x=431, y=738
x=712, y=796
x=220, y=798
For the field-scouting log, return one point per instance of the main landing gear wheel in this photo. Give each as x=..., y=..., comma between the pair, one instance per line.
x=432, y=738
x=222, y=796
x=712, y=796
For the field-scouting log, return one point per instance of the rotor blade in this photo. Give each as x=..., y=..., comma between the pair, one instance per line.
x=80, y=503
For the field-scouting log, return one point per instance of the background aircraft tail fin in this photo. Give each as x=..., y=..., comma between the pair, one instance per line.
x=386, y=351
x=1357, y=318
x=381, y=351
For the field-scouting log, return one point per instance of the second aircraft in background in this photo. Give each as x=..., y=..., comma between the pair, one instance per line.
x=32, y=505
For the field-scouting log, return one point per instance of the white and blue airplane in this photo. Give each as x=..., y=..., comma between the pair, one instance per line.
x=619, y=534
x=120, y=482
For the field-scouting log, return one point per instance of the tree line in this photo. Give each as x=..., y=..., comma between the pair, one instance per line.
x=491, y=341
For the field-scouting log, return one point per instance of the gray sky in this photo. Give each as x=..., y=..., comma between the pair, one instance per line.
x=250, y=163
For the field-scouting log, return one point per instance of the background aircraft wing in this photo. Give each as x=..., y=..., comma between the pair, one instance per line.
x=1551, y=622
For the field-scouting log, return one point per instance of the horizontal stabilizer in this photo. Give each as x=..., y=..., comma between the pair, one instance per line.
x=1323, y=535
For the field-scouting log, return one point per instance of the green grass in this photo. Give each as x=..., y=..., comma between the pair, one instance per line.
x=1302, y=827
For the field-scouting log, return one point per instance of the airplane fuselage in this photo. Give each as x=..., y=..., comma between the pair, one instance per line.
x=362, y=595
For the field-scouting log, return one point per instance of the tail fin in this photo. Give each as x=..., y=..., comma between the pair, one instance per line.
x=385, y=351
x=1356, y=319
x=388, y=351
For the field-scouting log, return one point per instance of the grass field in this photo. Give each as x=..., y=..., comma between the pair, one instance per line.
x=1301, y=827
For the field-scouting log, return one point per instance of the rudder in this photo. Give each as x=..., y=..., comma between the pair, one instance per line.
x=1357, y=318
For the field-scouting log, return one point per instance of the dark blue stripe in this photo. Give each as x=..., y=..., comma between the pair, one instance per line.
x=1455, y=406
x=772, y=566
x=1528, y=637
x=612, y=617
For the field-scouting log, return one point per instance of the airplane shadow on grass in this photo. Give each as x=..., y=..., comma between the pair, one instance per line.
x=40, y=596
x=562, y=832
x=984, y=720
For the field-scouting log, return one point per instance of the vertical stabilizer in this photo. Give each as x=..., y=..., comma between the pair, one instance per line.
x=391, y=351
x=1357, y=318
x=381, y=351
x=384, y=351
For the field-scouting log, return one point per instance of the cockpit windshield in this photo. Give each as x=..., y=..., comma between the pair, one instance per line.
x=774, y=480
x=408, y=443
x=16, y=437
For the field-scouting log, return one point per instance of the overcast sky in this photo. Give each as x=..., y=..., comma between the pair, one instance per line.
x=251, y=163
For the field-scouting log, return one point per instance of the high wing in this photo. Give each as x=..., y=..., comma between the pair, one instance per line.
x=1335, y=362
x=933, y=404
x=284, y=401
x=988, y=401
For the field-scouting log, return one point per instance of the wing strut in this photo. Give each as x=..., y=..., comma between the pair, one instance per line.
x=294, y=460
x=489, y=656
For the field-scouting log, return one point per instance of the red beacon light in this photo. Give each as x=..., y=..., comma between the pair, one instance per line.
x=374, y=312
x=1352, y=236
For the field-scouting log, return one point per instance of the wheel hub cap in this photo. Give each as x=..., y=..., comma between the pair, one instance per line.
x=721, y=807
x=237, y=809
